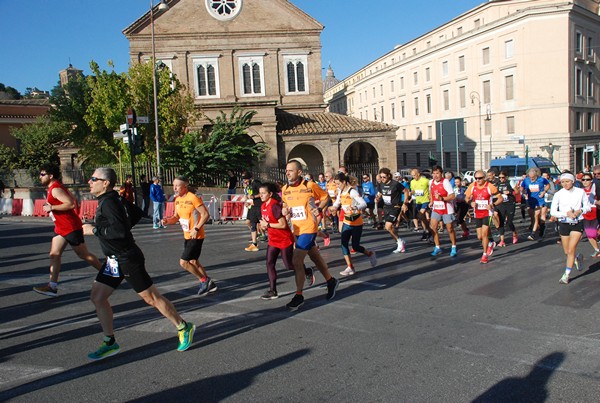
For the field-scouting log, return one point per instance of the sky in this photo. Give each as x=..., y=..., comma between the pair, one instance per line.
x=38, y=38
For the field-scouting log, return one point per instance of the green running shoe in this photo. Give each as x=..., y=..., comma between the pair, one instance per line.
x=186, y=336
x=104, y=351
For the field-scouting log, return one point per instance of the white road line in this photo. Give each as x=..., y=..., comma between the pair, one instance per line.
x=15, y=372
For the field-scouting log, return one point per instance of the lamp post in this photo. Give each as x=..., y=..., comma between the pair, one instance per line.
x=162, y=6
x=475, y=96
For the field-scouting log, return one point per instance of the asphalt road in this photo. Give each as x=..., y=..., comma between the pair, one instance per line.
x=413, y=329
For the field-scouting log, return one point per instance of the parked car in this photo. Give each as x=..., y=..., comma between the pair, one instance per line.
x=469, y=176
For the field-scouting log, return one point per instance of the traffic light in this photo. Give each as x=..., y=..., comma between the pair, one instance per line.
x=138, y=143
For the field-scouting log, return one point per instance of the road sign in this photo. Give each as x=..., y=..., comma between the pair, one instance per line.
x=126, y=140
x=119, y=135
x=131, y=116
x=124, y=127
x=143, y=119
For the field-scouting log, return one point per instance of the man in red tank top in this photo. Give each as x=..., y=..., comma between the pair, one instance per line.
x=61, y=206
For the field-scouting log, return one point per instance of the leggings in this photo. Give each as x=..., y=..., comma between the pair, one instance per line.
x=354, y=232
x=506, y=214
x=286, y=256
x=462, y=210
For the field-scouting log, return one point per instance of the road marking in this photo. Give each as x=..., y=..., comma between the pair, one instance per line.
x=15, y=372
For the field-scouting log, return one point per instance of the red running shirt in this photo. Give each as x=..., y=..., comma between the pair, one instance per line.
x=482, y=198
x=278, y=237
x=66, y=221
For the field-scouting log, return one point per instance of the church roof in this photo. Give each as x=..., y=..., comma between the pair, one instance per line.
x=330, y=79
x=326, y=123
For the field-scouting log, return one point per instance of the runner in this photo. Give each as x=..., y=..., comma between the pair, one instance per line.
x=191, y=213
x=419, y=187
x=568, y=205
x=461, y=206
x=124, y=260
x=61, y=206
x=441, y=196
x=480, y=194
x=297, y=196
x=369, y=193
x=506, y=210
x=390, y=192
x=332, y=191
x=352, y=204
x=590, y=222
x=533, y=188
x=252, y=200
x=281, y=239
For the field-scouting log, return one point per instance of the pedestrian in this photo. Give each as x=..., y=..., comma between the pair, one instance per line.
x=390, y=192
x=157, y=196
x=145, y=188
x=252, y=200
x=126, y=191
x=281, y=238
x=419, y=188
x=62, y=208
x=460, y=204
x=298, y=195
x=231, y=184
x=568, y=206
x=124, y=260
x=506, y=209
x=533, y=188
x=441, y=196
x=352, y=204
x=321, y=181
x=191, y=214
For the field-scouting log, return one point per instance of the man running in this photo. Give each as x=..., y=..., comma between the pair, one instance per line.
x=534, y=188
x=441, y=196
x=61, y=206
x=419, y=187
x=124, y=260
x=192, y=214
x=298, y=195
x=391, y=192
x=369, y=193
x=252, y=200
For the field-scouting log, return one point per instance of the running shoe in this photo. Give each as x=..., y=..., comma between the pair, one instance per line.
x=453, y=252
x=309, y=272
x=564, y=279
x=186, y=336
x=104, y=351
x=155, y=227
x=207, y=287
x=595, y=254
x=332, y=285
x=401, y=247
x=424, y=236
x=352, y=252
x=501, y=244
x=252, y=248
x=466, y=234
x=295, y=303
x=348, y=271
x=212, y=286
x=515, y=239
x=46, y=290
x=490, y=249
x=327, y=240
x=373, y=259
x=436, y=251
x=579, y=261
x=484, y=259
x=163, y=226
x=531, y=237
x=271, y=294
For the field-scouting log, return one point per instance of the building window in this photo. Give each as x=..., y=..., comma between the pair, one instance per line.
x=428, y=102
x=401, y=83
x=416, y=78
x=393, y=111
x=590, y=49
x=223, y=10
x=296, y=68
x=510, y=124
x=374, y=94
x=590, y=84
x=206, y=78
x=252, y=72
x=418, y=155
x=392, y=86
x=459, y=31
x=447, y=159
x=463, y=160
x=416, y=106
x=428, y=44
x=403, y=134
x=509, y=88
x=404, y=159
x=382, y=116
x=487, y=127
x=485, y=55
x=427, y=74
x=367, y=115
x=487, y=96
x=509, y=49
x=477, y=23
x=578, y=42
x=381, y=89
x=578, y=82
x=445, y=69
x=590, y=122
x=402, y=110
x=462, y=96
x=446, y=94
x=429, y=133
x=578, y=121
x=374, y=113
x=360, y=97
x=461, y=63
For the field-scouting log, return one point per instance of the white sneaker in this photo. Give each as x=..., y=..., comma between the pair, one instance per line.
x=373, y=259
x=564, y=279
x=348, y=272
x=401, y=247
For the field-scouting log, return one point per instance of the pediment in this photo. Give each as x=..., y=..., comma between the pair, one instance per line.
x=190, y=17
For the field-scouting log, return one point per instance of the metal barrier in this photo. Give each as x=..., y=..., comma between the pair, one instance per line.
x=233, y=208
x=212, y=205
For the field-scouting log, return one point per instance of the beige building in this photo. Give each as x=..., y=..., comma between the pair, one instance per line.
x=518, y=73
x=263, y=56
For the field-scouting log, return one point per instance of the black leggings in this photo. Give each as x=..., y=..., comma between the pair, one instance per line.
x=462, y=210
x=272, y=254
x=354, y=232
x=506, y=214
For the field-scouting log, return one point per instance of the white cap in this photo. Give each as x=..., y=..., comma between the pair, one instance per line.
x=397, y=174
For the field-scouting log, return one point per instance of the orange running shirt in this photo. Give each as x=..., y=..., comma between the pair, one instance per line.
x=185, y=208
x=298, y=200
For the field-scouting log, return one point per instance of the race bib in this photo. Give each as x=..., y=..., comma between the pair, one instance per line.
x=332, y=193
x=185, y=224
x=439, y=205
x=505, y=198
x=111, y=268
x=419, y=192
x=298, y=213
x=481, y=204
x=387, y=200
x=534, y=187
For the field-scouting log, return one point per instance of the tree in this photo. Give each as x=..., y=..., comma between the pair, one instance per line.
x=7, y=92
x=227, y=145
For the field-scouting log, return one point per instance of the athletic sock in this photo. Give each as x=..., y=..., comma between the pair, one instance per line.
x=53, y=285
x=109, y=340
x=182, y=325
x=203, y=279
x=568, y=270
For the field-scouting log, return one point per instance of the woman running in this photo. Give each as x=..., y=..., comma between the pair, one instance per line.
x=462, y=207
x=569, y=205
x=281, y=239
x=506, y=210
x=590, y=222
x=352, y=204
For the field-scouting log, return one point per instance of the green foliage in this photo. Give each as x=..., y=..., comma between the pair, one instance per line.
x=227, y=146
x=7, y=92
x=8, y=158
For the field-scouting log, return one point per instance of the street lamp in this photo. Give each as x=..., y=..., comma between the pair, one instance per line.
x=162, y=6
x=475, y=96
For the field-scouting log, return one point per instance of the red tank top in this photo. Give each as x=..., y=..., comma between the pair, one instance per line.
x=482, y=198
x=591, y=194
x=67, y=221
x=437, y=189
x=278, y=237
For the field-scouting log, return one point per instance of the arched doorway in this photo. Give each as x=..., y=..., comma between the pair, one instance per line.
x=309, y=155
x=361, y=157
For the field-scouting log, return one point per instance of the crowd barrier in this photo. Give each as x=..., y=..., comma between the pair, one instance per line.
x=38, y=208
x=233, y=208
x=87, y=209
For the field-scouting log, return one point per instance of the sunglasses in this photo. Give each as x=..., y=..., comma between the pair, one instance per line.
x=502, y=177
x=596, y=173
x=479, y=178
x=95, y=179
x=586, y=180
x=43, y=173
